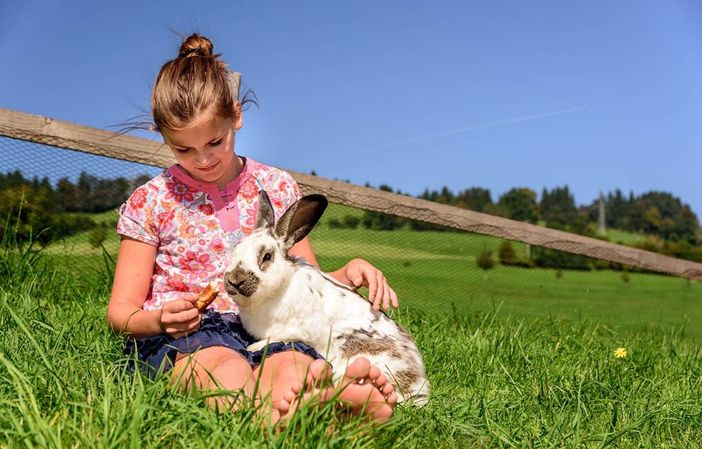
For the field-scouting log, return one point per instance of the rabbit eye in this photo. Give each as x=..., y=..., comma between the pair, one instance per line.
x=265, y=258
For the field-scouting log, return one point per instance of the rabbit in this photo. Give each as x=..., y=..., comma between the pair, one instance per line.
x=286, y=299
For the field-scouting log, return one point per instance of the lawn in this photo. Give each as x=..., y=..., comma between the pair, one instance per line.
x=498, y=381
x=437, y=272
x=516, y=357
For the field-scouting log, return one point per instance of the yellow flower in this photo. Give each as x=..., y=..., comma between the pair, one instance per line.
x=620, y=353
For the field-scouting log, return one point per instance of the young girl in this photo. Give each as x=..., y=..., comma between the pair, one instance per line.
x=176, y=230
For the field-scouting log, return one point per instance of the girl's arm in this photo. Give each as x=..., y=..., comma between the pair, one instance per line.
x=356, y=273
x=125, y=313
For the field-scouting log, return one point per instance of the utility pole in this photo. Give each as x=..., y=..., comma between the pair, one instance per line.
x=601, y=215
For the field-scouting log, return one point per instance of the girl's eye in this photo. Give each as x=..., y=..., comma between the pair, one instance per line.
x=214, y=144
x=182, y=150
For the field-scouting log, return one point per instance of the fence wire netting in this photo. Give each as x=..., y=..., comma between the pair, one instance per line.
x=68, y=201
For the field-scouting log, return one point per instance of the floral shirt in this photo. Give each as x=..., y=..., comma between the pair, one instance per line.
x=193, y=225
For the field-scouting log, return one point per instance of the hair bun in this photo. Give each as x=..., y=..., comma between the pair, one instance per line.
x=195, y=45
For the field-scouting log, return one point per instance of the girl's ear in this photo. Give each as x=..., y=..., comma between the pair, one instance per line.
x=299, y=219
x=238, y=116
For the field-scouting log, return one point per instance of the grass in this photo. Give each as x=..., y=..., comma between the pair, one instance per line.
x=436, y=272
x=438, y=284
x=497, y=382
x=624, y=237
x=516, y=357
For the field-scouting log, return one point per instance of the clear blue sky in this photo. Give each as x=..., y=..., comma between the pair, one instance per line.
x=597, y=95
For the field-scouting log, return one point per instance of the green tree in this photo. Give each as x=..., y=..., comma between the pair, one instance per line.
x=381, y=221
x=445, y=196
x=520, y=204
x=67, y=195
x=662, y=214
x=28, y=213
x=557, y=207
x=475, y=198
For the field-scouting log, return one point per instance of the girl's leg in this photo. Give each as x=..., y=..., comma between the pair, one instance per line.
x=362, y=390
x=215, y=368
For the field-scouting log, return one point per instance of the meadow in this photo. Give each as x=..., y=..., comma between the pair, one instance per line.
x=516, y=357
x=436, y=272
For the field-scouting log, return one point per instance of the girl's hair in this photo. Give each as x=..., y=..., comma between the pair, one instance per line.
x=194, y=83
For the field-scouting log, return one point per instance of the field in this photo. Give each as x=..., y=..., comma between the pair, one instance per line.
x=436, y=272
x=516, y=357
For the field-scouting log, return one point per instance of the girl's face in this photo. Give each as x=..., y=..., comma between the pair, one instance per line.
x=205, y=149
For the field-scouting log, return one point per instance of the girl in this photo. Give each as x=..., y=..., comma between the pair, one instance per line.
x=175, y=232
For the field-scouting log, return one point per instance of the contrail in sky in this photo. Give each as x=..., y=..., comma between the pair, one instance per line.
x=494, y=124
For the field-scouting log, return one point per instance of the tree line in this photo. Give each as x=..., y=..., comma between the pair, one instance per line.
x=670, y=226
x=653, y=213
x=35, y=209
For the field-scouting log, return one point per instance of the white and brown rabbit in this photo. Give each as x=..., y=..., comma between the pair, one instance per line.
x=282, y=299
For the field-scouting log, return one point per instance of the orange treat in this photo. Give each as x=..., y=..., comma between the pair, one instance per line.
x=206, y=297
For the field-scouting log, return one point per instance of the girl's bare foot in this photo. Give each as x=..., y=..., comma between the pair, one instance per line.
x=364, y=391
x=317, y=374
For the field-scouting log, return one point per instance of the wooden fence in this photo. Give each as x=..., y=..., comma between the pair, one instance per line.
x=35, y=128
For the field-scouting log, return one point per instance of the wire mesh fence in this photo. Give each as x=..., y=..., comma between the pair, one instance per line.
x=67, y=202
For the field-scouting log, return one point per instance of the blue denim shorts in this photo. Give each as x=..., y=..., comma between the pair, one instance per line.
x=157, y=354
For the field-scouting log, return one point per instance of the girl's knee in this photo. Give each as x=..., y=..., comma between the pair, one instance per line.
x=289, y=358
x=284, y=365
x=212, y=367
x=219, y=355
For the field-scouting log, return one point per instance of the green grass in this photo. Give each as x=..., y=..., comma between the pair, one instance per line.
x=624, y=237
x=497, y=382
x=516, y=357
x=436, y=272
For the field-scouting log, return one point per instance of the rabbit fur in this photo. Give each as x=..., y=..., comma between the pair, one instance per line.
x=285, y=299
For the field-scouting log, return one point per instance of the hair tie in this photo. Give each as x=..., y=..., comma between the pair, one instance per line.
x=190, y=52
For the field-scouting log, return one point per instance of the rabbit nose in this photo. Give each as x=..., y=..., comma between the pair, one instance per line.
x=241, y=281
x=231, y=285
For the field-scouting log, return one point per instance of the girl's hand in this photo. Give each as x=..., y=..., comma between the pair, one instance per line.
x=180, y=316
x=361, y=273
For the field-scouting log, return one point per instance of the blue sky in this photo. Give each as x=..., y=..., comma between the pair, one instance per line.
x=595, y=95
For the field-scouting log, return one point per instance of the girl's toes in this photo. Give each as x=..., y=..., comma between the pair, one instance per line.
x=290, y=396
x=358, y=369
x=318, y=372
x=387, y=388
x=296, y=388
x=274, y=416
x=282, y=406
x=391, y=398
x=380, y=381
x=374, y=373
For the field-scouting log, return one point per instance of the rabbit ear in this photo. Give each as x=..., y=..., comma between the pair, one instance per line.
x=265, y=216
x=300, y=218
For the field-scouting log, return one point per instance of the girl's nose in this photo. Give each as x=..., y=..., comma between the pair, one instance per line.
x=201, y=158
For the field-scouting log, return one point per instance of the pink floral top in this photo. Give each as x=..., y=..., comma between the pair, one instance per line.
x=193, y=224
